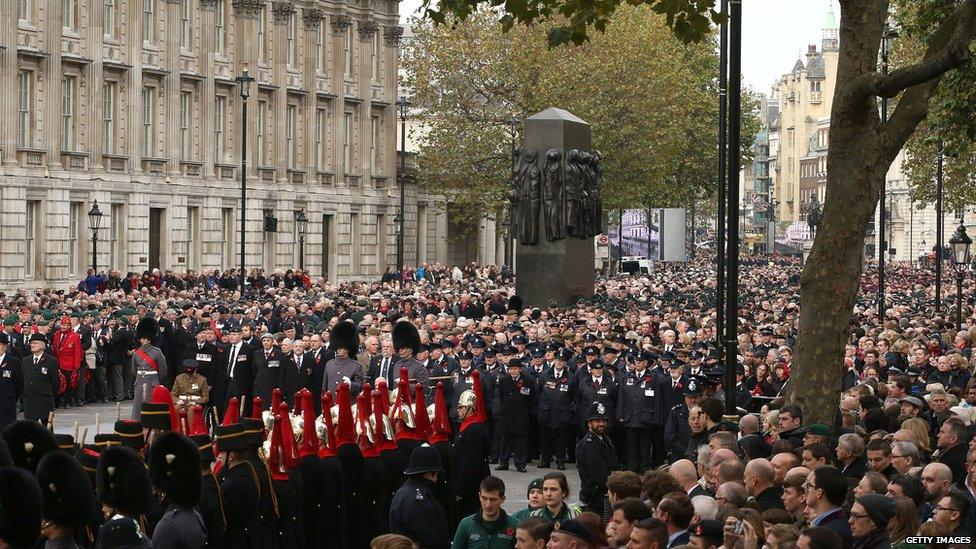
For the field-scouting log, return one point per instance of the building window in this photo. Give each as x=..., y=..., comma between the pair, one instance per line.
x=320, y=48
x=218, y=144
x=67, y=113
x=320, y=121
x=262, y=33
x=186, y=31
x=24, y=108
x=227, y=235
x=148, y=20
x=148, y=122
x=108, y=18
x=219, y=35
x=25, y=10
x=290, y=40
x=186, y=103
x=70, y=10
x=374, y=60
x=74, y=217
x=374, y=140
x=347, y=52
x=108, y=117
x=30, y=238
x=262, y=115
x=290, y=136
x=815, y=85
x=346, y=141
x=116, y=237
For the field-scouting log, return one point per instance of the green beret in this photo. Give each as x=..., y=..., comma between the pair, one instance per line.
x=48, y=315
x=819, y=429
x=10, y=321
x=76, y=315
x=42, y=323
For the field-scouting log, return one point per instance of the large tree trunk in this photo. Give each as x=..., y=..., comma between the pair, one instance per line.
x=860, y=152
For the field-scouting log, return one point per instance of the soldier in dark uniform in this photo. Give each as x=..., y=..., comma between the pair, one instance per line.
x=406, y=344
x=41, y=380
x=595, y=458
x=205, y=354
x=344, y=340
x=471, y=447
x=414, y=511
x=677, y=431
x=516, y=393
x=557, y=410
x=639, y=412
x=11, y=382
x=461, y=382
x=174, y=469
x=492, y=369
x=211, y=506
x=69, y=499
x=268, y=370
x=594, y=386
x=239, y=488
x=124, y=491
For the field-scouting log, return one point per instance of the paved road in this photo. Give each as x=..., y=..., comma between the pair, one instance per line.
x=516, y=483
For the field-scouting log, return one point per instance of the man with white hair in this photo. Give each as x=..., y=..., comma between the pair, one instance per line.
x=850, y=456
x=705, y=508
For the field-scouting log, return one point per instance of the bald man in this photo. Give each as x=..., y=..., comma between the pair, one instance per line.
x=937, y=478
x=760, y=481
x=752, y=442
x=716, y=460
x=732, y=494
x=685, y=472
x=782, y=463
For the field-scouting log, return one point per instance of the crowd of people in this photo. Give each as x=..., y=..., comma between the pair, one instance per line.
x=303, y=413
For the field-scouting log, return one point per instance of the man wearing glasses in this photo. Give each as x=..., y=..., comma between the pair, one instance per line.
x=951, y=512
x=826, y=488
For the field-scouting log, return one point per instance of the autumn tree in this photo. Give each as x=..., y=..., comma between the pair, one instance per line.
x=861, y=148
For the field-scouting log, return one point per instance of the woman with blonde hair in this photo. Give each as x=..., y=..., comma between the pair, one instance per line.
x=919, y=429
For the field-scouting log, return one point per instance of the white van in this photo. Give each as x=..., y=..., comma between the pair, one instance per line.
x=636, y=265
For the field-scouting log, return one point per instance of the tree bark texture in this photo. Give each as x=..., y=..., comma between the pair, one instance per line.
x=861, y=150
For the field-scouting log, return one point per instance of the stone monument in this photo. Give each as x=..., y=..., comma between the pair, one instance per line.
x=556, y=200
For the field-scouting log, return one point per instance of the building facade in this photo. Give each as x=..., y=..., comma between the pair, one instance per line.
x=134, y=104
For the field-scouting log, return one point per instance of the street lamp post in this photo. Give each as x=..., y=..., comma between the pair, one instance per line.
x=887, y=38
x=732, y=250
x=403, y=103
x=301, y=222
x=938, y=228
x=94, y=221
x=960, y=243
x=244, y=79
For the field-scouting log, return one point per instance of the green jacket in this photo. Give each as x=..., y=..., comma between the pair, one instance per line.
x=522, y=514
x=473, y=532
x=566, y=513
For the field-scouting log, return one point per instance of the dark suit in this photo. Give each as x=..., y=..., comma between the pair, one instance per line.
x=268, y=374
x=206, y=357
x=315, y=362
x=516, y=396
x=376, y=369
x=41, y=382
x=235, y=377
x=11, y=388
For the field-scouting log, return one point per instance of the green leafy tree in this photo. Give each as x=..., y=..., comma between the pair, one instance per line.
x=861, y=149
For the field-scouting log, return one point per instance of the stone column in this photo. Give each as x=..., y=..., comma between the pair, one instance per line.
x=8, y=85
x=173, y=85
x=339, y=24
x=441, y=232
x=50, y=69
x=279, y=70
x=206, y=89
x=312, y=22
x=132, y=44
x=93, y=78
x=366, y=30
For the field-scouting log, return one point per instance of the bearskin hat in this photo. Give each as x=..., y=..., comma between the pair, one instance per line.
x=146, y=329
x=123, y=482
x=343, y=336
x=20, y=508
x=6, y=460
x=515, y=303
x=28, y=441
x=66, y=491
x=174, y=468
x=405, y=334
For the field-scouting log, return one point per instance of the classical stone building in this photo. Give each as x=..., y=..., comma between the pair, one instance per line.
x=134, y=103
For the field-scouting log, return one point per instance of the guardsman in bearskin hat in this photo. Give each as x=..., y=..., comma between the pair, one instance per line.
x=211, y=505
x=406, y=343
x=595, y=458
x=28, y=442
x=344, y=340
x=174, y=469
x=20, y=508
x=69, y=500
x=125, y=493
x=334, y=505
x=241, y=492
x=148, y=363
x=471, y=446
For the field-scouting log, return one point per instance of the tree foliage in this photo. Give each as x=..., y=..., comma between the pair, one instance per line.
x=651, y=102
x=950, y=119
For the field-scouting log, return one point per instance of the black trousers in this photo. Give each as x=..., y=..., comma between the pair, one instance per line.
x=552, y=443
x=495, y=438
x=516, y=441
x=639, y=449
x=658, y=454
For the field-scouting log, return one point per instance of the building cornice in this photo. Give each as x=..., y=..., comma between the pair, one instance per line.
x=282, y=11
x=367, y=29
x=312, y=17
x=340, y=23
x=393, y=35
x=249, y=8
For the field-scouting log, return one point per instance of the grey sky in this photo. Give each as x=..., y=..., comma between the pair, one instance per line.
x=774, y=34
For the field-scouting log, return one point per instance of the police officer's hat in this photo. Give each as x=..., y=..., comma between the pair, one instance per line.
x=424, y=459
x=693, y=388
x=490, y=352
x=122, y=481
x=66, y=491
x=174, y=468
x=591, y=350
x=478, y=343
x=464, y=355
x=597, y=410
x=538, y=353
x=564, y=354
x=589, y=338
x=519, y=340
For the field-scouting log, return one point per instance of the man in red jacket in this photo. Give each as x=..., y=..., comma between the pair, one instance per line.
x=69, y=353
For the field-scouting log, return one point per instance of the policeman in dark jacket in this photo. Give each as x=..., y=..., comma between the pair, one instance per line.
x=11, y=382
x=595, y=385
x=557, y=409
x=639, y=410
x=415, y=511
x=677, y=432
x=516, y=393
x=595, y=458
x=41, y=380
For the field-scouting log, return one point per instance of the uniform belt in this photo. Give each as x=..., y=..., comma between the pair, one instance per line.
x=146, y=372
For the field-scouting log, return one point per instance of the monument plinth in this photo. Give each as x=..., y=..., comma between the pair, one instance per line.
x=555, y=209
